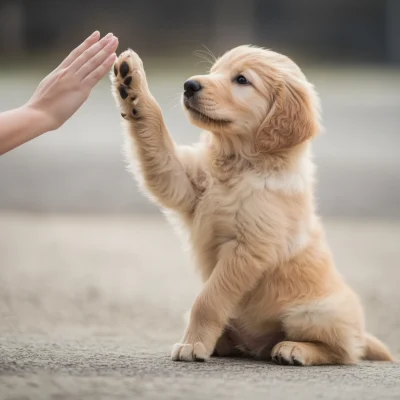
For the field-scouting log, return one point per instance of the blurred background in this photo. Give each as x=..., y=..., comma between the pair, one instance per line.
x=350, y=49
x=81, y=250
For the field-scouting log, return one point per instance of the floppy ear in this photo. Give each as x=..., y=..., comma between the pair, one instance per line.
x=293, y=116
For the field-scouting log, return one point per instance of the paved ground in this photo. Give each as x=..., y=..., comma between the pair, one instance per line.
x=80, y=167
x=89, y=307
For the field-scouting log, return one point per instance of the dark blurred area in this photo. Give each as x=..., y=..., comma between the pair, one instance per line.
x=320, y=31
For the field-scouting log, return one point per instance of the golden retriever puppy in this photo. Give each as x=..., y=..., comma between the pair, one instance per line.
x=245, y=196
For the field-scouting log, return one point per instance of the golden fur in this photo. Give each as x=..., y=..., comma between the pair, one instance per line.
x=245, y=196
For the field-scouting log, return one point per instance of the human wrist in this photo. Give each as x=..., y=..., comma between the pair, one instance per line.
x=40, y=119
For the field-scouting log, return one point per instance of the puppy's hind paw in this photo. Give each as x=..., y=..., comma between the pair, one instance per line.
x=288, y=353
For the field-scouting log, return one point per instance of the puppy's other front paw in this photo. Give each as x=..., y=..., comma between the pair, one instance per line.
x=128, y=80
x=189, y=352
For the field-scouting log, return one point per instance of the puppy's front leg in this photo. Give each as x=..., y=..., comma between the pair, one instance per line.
x=236, y=273
x=163, y=172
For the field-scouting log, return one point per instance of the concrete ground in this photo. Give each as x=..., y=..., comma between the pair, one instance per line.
x=89, y=307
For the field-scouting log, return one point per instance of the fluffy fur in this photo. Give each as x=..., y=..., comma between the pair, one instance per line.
x=245, y=197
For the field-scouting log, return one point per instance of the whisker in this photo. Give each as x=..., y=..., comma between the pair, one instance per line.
x=200, y=54
x=174, y=100
x=174, y=96
x=205, y=53
x=204, y=61
x=209, y=52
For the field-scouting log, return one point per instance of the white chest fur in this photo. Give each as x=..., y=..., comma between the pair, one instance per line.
x=295, y=180
x=258, y=206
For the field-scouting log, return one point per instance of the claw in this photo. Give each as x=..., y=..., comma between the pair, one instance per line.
x=284, y=361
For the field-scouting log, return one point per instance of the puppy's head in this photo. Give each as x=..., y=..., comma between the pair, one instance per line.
x=255, y=93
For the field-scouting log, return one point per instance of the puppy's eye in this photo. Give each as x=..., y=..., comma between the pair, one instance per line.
x=241, y=80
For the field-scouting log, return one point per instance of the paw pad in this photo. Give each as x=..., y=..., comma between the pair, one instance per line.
x=129, y=74
x=124, y=69
x=122, y=92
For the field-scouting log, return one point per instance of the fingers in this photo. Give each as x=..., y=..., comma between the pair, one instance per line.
x=92, y=39
x=100, y=71
x=89, y=53
x=98, y=59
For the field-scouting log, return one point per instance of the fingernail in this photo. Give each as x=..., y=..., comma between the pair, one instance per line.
x=95, y=33
x=112, y=41
x=108, y=36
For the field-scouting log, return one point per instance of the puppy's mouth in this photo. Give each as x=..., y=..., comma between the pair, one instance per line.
x=202, y=115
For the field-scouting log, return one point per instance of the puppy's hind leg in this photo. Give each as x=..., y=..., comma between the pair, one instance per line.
x=326, y=331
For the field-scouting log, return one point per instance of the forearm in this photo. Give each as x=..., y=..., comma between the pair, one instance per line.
x=164, y=175
x=236, y=273
x=19, y=126
x=163, y=172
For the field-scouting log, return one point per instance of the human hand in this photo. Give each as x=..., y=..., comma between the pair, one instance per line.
x=63, y=91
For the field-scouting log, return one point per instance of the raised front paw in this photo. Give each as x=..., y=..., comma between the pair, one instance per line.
x=189, y=352
x=129, y=81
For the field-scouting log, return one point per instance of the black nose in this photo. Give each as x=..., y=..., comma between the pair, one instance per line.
x=191, y=87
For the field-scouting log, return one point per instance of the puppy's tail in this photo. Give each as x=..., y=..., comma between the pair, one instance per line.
x=375, y=350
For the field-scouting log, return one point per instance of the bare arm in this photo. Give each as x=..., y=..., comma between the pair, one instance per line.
x=60, y=94
x=163, y=172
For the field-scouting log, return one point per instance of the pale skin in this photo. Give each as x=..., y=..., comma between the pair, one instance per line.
x=60, y=94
